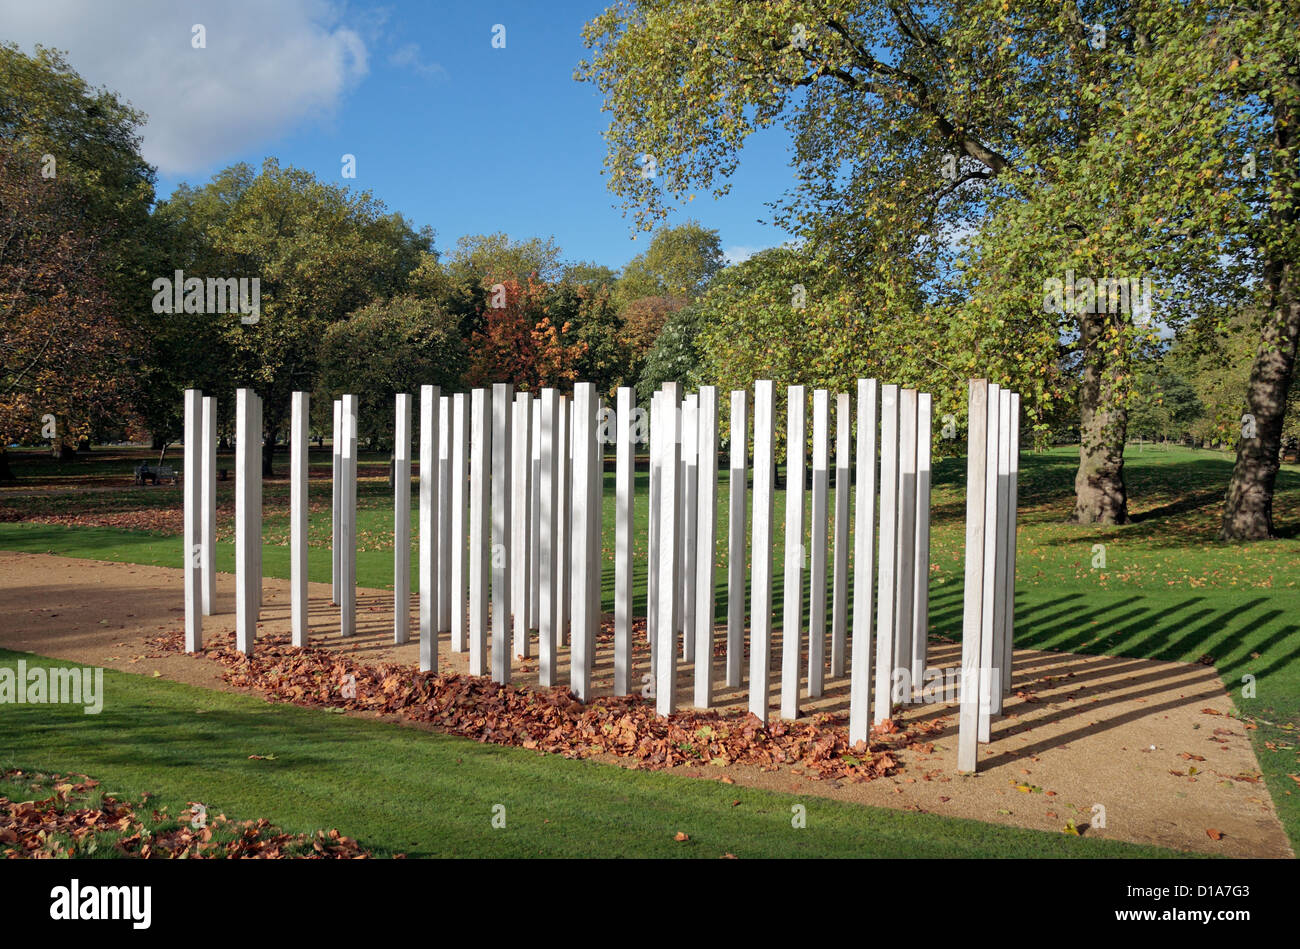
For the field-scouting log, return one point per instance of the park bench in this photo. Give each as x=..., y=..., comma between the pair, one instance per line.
x=155, y=474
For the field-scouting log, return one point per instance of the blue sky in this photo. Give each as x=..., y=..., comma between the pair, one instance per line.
x=445, y=128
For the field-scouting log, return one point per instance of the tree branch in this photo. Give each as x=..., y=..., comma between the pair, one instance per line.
x=970, y=145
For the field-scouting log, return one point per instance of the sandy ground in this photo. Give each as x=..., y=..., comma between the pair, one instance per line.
x=1136, y=737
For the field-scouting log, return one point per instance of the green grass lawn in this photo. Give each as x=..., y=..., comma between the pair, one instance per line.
x=401, y=790
x=1168, y=589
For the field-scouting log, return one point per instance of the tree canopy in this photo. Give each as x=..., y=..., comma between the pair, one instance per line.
x=74, y=219
x=967, y=155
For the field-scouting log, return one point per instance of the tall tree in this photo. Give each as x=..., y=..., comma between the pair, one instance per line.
x=385, y=348
x=523, y=341
x=1259, y=46
x=643, y=320
x=676, y=355
x=1216, y=355
x=62, y=346
x=1164, y=405
x=1210, y=120
x=89, y=139
x=589, y=274
x=320, y=252
x=968, y=149
x=495, y=258
x=680, y=262
x=74, y=206
x=586, y=316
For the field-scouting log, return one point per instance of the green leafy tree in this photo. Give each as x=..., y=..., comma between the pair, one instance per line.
x=89, y=139
x=643, y=321
x=586, y=316
x=494, y=258
x=460, y=294
x=675, y=356
x=1209, y=123
x=679, y=262
x=1215, y=355
x=589, y=274
x=320, y=251
x=1164, y=405
x=978, y=151
x=384, y=348
x=788, y=316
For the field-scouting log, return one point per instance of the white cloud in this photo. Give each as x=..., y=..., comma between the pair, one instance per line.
x=739, y=253
x=267, y=67
x=407, y=56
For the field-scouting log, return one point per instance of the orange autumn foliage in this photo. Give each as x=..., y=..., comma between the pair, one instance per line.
x=519, y=342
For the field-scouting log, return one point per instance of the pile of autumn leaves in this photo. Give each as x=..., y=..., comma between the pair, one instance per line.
x=552, y=720
x=74, y=822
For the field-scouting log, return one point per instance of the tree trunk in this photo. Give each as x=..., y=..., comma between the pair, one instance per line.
x=1248, y=508
x=1248, y=511
x=1099, y=492
x=268, y=454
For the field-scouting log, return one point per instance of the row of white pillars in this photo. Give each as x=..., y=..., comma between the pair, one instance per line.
x=534, y=517
x=988, y=615
x=843, y=486
x=920, y=551
x=344, y=521
x=563, y=450
x=436, y=483
x=445, y=553
x=479, y=529
x=863, y=565
x=259, y=450
x=760, y=621
x=666, y=424
x=652, y=534
x=430, y=403
x=818, y=542
x=516, y=493
x=902, y=591
x=689, y=523
x=459, y=523
x=542, y=516
x=886, y=565
x=905, y=463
